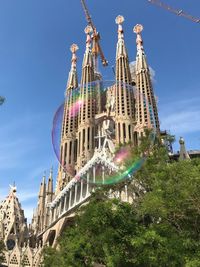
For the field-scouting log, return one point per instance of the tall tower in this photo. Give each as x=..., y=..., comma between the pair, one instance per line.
x=146, y=108
x=68, y=146
x=88, y=108
x=41, y=215
x=13, y=227
x=41, y=205
x=49, y=188
x=49, y=197
x=124, y=98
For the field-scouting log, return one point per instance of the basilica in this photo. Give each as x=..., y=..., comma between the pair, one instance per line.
x=97, y=119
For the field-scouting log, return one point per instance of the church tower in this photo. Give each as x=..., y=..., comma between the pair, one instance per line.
x=41, y=205
x=146, y=108
x=87, y=107
x=41, y=215
x=68, y=146
x=49, y=188
x=124, y=98
x=13, y=226
x=48, y=198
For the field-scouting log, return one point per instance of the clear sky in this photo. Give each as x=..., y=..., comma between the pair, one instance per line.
x=35, y=37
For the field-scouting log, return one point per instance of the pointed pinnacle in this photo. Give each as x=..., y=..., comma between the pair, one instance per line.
x=44, y=178
x=119, y=20
x=138, y=29
x=51, y=173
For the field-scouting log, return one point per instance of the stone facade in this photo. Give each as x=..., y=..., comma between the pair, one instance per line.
x=89, y=137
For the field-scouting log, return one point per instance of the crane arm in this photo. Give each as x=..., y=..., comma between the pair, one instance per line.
x=173, y=10
x=103, y=59
x=97, y=50
x=87, y=15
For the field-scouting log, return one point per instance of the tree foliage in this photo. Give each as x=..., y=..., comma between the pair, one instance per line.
x=160, y=229
x=2, y=100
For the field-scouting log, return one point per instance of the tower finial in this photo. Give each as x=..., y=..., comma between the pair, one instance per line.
x=51, y=173
x=138, y=29
x=13, y=189
x=88, y=30
x=73, y=49
x=72, y=78
x=44, y=178
x=51, y=170
x=119, y=20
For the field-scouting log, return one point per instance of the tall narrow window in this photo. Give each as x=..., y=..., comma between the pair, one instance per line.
x=79, y=145
x=135, y=138
x=83, y=148
x=129, y=132
x=88, y=136
x=124, y=132
x=119, y=131
x=70, y=152
x=75, y=150
x=61, y=156
x=65, y=160
x=93, y=140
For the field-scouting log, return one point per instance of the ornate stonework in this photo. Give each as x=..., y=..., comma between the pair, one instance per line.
x=13, y=225
x=88, y=142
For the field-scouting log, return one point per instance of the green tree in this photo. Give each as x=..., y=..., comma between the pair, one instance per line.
x=160, y=229
x=2, y=100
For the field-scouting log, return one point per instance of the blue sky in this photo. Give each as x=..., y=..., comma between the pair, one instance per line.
x=35, y=37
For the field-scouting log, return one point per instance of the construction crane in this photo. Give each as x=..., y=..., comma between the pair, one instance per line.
x=173, y=10
x=96, y=49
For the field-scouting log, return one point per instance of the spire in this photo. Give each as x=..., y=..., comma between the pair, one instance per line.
x=41, y=204
x=44, y=178
x=42, y=186
x=119, y=20
x=73, y=79
x=124, y=99
x=121, y=49
x=138, y=29
x=51, y=173
x=69, y=125
x=88, y=57
x=141, y=62
x=13, y=225
x=183, y=152
x=146, y=106
x=50, y=187
x=88, y=107
x=13, y=190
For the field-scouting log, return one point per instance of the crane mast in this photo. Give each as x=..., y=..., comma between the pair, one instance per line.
x=174, y=11
x=97, y=50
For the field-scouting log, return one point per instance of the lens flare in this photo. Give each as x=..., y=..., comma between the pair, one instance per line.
x=125, y=161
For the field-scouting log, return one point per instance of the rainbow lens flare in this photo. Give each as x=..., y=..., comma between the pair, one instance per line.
x=67, y=115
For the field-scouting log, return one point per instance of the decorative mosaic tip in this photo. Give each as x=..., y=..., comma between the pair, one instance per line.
x=88, y=29
x=74, y=48
x=138, y=28
x=119, y=19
